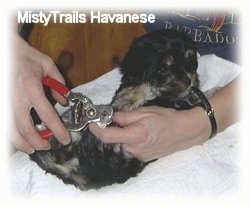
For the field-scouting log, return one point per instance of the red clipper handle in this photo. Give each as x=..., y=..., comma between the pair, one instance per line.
x=46, y=134
x=56, y=85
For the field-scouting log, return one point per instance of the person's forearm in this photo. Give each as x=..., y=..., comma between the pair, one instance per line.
x=225, y=103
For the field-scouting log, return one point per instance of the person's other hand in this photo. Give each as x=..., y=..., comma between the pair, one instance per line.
x=29, y=67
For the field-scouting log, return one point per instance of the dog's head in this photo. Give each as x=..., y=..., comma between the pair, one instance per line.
x=166, y=59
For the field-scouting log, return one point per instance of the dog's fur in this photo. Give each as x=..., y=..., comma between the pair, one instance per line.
x=159, y=69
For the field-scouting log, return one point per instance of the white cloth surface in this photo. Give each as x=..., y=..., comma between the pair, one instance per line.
x=208, y=169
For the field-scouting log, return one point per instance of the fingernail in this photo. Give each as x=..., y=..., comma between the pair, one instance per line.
x=48, y=147
x=30, y=151
x=66, y=141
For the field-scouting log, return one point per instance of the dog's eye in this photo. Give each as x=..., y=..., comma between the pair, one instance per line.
x=164, y=69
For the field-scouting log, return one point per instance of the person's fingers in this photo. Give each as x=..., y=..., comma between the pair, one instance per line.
x=51, y=119
x=130, y=134
x=131, y=129
x=125, y=118
x=24, y=131
x=19, y=142
x=130, y=141
x=47, y=113
x=114, y=134
x=59, y=98
x=133, y=151
x=52, y=71
x=109, y=134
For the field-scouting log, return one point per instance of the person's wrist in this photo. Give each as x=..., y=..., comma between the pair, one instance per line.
x=200, y=124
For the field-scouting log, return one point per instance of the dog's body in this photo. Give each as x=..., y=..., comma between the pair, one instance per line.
x=159, y=69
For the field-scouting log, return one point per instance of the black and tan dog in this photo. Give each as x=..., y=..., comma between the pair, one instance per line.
x=159, y=69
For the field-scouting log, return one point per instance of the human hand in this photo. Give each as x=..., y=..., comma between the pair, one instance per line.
x=153, y=132
x=29, y=67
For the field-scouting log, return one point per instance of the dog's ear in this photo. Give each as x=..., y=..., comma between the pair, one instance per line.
x=136, y=61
